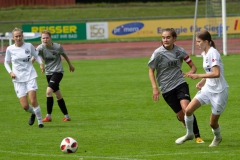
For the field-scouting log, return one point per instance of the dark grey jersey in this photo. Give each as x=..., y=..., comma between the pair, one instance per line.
x=52, y=58
x=168, y=64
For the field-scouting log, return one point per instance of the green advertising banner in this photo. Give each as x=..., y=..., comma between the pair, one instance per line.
x=76, y=31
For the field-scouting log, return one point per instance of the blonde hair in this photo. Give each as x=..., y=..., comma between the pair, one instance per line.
x=46, y=32
x=17, y=29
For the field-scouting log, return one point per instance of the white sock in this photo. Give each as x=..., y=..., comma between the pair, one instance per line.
x=189, y=124
x=66, y=116
x=30, y=109
x=38, y=114
x=216, y=133
x=49, y=116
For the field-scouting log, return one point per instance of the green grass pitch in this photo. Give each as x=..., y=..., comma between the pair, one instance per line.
x=114, y=117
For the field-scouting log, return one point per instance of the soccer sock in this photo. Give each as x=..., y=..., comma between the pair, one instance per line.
x=189, y=124
x=216, y=132
x=195, y=127
x=30, y=109
x=49, y=106
x=38, y=114
x=62, y=106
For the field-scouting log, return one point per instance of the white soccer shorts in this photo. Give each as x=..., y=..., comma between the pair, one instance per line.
x=22, y=88
x=218, y=101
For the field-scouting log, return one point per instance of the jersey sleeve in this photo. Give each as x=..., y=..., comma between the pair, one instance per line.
x=154, y=60
x=8, y=56
x=39, y=49
x=7, y=61
x=61, y=50
x=214, y=58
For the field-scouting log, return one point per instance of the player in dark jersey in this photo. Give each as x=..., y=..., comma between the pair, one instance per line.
x=167, y=61
x=51, y=54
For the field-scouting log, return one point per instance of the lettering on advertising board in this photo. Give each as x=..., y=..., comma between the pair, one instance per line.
x=97, y=30
x=237, y=25
x=128, y=28
x=58, y=31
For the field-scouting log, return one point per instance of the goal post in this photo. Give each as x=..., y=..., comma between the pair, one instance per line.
x=213, y=15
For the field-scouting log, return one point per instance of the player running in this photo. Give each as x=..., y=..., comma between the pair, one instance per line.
x=51, y=54
x=24, y=75
x=167, y=61
x=213, y=89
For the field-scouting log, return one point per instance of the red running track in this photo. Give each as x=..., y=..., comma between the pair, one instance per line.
x=131, y=49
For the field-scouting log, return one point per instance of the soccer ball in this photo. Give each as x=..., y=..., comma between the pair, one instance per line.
x=69, y=145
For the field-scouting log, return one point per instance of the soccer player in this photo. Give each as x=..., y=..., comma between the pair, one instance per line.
x=167, y=61
x=213, y=89
x=51, y=54
x=24, y=75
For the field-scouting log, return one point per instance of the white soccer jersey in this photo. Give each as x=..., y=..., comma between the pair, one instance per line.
x=21, y=61
x=213, y=58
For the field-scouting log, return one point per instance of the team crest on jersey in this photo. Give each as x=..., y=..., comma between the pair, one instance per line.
x=27, y=51
x=177, y=54
x=54, y=53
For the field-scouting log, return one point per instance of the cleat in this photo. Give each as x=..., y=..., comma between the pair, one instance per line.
x=66, y=119
x=47, y=119
x=199, y=140
x=183, y=139
x=31, y=119
x=215, y=142
x=40, y=125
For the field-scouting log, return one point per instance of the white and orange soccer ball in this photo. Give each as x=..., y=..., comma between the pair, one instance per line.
x=69, y=145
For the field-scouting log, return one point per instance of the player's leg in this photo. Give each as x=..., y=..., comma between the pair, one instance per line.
x=49, y=100
x=33, y=100
x=56, y=78
x=171, y=99
x=20, y=89
x=184, y=97
x=189, y=119
x=216, y=130
x=62, y=105
x=216, y=99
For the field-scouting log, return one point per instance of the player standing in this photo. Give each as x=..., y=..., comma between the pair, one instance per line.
x=167, y=61
x=213, y=89
x=23, y=74
x=51, y=54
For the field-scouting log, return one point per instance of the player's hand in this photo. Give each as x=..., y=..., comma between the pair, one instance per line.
x=199, y=85
x=71, y=68
x=42, y=68
x=13, y=76
x=156, y=94
x=193, y=76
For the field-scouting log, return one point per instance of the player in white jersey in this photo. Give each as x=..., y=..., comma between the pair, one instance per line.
x=213, y=89
x=167, y=61
x=51, y=54
x=23, y=74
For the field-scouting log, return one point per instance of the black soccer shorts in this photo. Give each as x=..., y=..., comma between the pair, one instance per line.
x=54, y=81
x=174, y=96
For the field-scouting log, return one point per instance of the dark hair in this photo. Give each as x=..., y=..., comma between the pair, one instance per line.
x=171, y=30
x=205, y=35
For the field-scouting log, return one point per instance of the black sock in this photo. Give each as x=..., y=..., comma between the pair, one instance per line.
x=195, y=127
x=62, y=106
x=49, y=105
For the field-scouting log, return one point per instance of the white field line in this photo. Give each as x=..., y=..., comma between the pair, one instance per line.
x=109, y=158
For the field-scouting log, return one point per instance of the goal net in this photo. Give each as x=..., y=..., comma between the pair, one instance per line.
x=214, y=17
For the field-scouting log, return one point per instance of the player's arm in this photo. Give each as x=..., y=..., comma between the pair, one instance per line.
x=193, y=68
x=214, y=74
x=36, y=57
x=7, y=66
x=71, y=68
x=156, y=92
